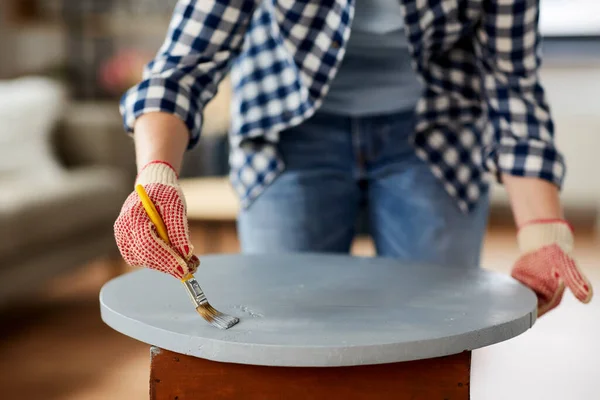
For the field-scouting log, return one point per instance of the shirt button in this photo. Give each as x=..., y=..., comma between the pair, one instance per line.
x=335, y=44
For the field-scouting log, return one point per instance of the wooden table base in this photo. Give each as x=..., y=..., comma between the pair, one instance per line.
x=178, y=377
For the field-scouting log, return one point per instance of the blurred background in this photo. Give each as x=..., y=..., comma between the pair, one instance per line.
x=66, y=166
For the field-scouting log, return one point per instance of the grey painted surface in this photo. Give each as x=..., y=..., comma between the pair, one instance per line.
x=316, y=310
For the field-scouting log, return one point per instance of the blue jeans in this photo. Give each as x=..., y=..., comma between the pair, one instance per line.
x=338, y=167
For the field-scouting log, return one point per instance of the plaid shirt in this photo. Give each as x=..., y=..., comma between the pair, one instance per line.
x=482, y=113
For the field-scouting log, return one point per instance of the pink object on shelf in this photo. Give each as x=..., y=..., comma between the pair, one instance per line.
x=123, y=70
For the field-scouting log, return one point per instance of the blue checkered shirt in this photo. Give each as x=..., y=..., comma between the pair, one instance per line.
x=482, y=113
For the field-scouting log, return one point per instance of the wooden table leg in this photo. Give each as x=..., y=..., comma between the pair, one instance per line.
x=178, y=377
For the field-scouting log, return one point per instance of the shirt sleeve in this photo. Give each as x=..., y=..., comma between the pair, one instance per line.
x=203, y=38
x=520, y=120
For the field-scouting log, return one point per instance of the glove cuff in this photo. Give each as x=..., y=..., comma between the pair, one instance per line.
x=157, y=172
x=538, y=234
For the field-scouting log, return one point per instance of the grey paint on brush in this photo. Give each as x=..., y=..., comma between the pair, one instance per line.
x=321, y=310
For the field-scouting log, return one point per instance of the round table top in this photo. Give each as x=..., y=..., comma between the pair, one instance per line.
x=321, y=310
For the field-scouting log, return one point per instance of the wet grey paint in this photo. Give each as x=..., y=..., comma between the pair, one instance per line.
x=321, y=310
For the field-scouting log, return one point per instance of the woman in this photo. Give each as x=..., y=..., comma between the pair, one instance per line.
x=409, y=114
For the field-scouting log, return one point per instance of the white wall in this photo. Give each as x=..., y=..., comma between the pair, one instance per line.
x=570, y=17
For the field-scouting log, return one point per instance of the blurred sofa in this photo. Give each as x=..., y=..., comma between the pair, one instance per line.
x=62, y=183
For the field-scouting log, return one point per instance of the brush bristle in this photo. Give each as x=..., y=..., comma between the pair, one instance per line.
x=215, y=317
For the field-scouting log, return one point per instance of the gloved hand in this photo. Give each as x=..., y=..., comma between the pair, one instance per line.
x=137, y=237
x=546, y=265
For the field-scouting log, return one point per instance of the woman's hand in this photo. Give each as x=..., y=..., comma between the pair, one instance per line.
x=164, y=137
x=546, y=265
x=136, y=235
x=546, y=242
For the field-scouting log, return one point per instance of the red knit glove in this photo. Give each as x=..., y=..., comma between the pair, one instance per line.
x=546, y=265
x=136, y=235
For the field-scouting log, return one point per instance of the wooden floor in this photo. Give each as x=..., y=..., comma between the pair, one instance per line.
x=60, y=349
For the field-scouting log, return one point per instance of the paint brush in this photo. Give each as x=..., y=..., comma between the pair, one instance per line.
x=203, y=307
